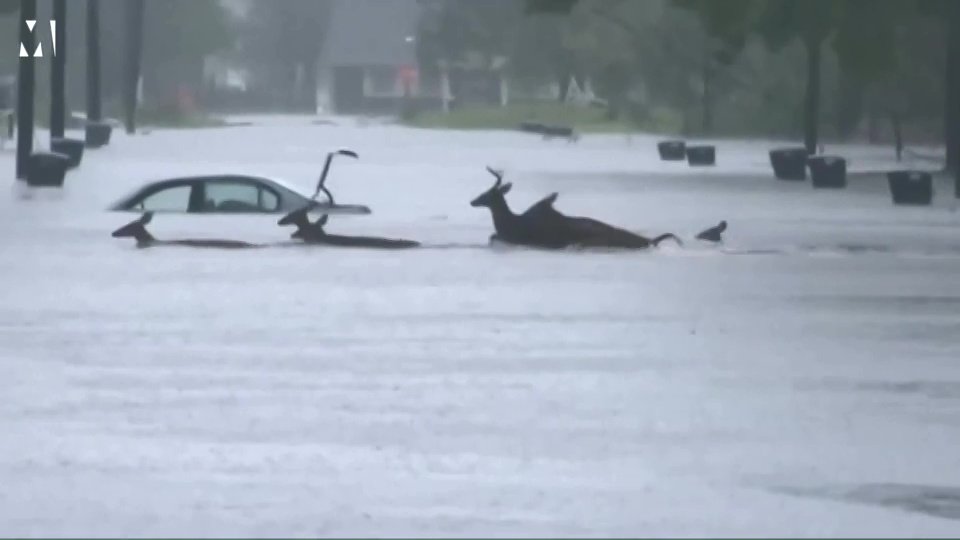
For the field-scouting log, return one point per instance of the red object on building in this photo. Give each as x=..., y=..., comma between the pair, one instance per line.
x=185, y=101
x=408, y=78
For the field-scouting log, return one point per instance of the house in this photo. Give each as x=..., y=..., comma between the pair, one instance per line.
x=368, y=62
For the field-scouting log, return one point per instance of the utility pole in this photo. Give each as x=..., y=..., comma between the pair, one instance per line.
x=25, y=88
x=58, y=68
x=131, y=75
x=94, y=111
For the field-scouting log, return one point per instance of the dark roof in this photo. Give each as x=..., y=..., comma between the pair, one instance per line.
x=371, y=32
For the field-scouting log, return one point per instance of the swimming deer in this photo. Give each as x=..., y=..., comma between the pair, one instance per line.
x=713, y=234
x=544, y=226
x=525, y=229
x=138, y=231
x=313, y=233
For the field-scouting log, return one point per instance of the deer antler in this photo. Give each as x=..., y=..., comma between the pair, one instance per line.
x=496, y=174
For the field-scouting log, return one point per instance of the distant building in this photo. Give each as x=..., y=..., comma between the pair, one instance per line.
x=8, y=92
x=368, y=63
x=8, y=102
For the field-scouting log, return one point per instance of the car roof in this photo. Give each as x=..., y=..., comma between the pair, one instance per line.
x=293, y=197
x=156, y=185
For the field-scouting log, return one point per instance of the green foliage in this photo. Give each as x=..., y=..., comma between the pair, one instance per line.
x=738, y=61
x=285, y=29
x=866, y=40
x=458, y=31
x=280, y=39
x=729, y=21
x=186, y=28
x=549, y=6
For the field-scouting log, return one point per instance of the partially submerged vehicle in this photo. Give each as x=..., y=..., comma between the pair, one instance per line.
x=244, y=194
x=234, y=194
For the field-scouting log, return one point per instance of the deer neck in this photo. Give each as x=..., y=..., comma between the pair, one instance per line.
x=503, y=218
x=144, y=238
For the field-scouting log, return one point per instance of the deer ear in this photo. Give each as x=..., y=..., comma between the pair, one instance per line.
x=504, y=189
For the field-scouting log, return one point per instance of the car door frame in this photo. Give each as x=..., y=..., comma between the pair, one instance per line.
x=258, y=184
x=138, y=198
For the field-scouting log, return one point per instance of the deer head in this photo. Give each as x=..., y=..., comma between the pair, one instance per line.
x=297, y=217
x=311, y=230
x=136, y=229
x=301, y=220
x=495, y=193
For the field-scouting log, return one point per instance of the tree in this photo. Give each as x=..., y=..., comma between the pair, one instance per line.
x=177, y=36
x=778, y=22
x=282, y=41
x=131, y=72
x=550, y=6
x=948, y=12
x=456, y=31
x=747, y=45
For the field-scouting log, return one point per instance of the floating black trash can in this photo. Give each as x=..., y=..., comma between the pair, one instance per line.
x=47, y=169
x=828, y=171
x=98, y=134
x=701, y=156
x=672, y=150
x=911, y=187
x=72, y=148
x=789, y=163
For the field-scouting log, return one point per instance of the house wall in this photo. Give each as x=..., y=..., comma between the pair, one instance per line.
x=373, y=89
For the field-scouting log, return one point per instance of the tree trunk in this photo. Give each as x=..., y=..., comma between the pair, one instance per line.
x=25, y=89
x=131, y=71
x=872, y=128
x=614, y=108
x=563, y=77
x=811, y=113
x=707, y=125
x=952, y=116
x=850, y=111
x=94, y=109
x=310, y=86
x=896, y=124
x=58, y=68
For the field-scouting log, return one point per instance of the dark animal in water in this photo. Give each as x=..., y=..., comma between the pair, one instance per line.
x=313, y=233
x=544, y=226
x=138, y=231
x=524, y=229
x=550, y=132
x=713, y=234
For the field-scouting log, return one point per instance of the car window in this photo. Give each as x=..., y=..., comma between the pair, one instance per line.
x=174, y=199
x=239, y=197
x=269, y=201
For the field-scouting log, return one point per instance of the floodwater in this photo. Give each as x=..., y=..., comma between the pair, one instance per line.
x=802, y=380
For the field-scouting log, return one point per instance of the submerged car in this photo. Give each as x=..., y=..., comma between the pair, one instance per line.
x=227, y=194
